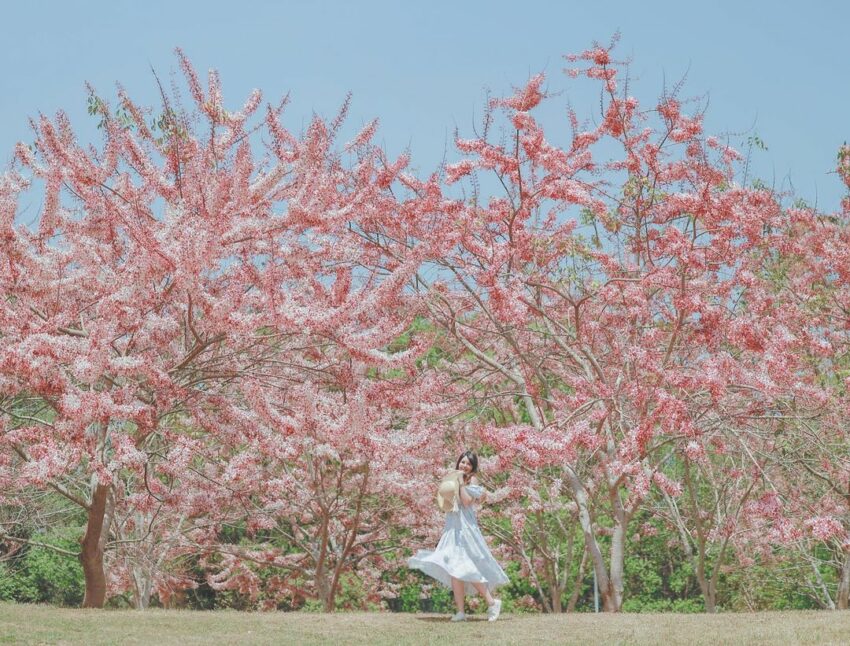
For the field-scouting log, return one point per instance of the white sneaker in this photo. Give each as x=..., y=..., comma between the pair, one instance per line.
x=494, y=610
x=459, y=616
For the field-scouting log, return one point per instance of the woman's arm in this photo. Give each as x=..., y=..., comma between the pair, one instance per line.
x=483, y=497
x=465, y=498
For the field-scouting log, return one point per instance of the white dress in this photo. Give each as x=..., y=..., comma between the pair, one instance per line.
x=462, y=552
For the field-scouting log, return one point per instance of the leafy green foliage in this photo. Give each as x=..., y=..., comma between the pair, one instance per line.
x=41, y=575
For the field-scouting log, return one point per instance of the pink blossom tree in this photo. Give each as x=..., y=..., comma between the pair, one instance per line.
x=601, y=299
x=172, y=286
x=338, y=495
x=709, y=515
x=535, y=520
x=811, y=271
x=197, y=334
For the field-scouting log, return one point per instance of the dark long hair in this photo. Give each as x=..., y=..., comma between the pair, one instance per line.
x=473, y=460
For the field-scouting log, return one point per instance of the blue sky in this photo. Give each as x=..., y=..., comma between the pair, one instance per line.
x=776, y=69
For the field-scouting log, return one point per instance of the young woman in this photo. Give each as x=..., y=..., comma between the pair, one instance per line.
x=462, y=560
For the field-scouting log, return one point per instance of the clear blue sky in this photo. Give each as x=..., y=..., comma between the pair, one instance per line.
x=776, y=69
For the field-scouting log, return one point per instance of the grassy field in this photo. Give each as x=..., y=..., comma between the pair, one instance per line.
x=24, y=624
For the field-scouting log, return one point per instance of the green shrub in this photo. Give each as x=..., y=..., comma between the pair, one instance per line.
x=41, y=575
x=10, y=584
x=408, y=598
x=442, y=600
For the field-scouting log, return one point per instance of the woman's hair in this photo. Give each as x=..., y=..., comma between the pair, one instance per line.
x=473, y=460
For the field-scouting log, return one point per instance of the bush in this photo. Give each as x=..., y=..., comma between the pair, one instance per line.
x=410, y=599
x=41, y=575
x=9, y=584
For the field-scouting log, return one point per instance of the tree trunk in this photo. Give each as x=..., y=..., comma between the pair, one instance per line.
x=142, y=588
x=706, y=588
x=844, y=585
x=613, y=597
x=555, y=594
x=610, y=590
x=91, y=554
x=325, y=592
x=710, y=598
x=571, y=606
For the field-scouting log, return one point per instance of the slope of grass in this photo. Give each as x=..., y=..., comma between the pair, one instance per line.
x=26, y=624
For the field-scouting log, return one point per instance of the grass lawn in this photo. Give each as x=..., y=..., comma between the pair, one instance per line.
x=26, y=624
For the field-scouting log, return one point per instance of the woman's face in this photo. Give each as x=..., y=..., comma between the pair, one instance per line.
x=465, y=465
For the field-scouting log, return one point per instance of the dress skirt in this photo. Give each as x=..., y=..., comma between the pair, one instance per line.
x=462, y=552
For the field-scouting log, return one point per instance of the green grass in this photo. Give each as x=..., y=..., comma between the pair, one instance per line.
x=28, y=624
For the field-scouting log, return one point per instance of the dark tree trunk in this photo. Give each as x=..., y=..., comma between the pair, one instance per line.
x=91, y=554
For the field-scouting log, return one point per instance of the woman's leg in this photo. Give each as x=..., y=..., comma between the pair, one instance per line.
x=484, y=592
x=457, y=588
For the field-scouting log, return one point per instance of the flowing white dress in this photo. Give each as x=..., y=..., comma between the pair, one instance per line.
x=462, y=552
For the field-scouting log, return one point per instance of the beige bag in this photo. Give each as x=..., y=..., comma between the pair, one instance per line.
x=448, y=493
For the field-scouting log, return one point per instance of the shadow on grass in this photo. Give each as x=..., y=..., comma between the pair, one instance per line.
x=445, y=620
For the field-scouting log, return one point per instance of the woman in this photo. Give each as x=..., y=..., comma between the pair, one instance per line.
x=462, y=560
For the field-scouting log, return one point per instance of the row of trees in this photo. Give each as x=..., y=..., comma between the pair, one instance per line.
x=254, y=365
